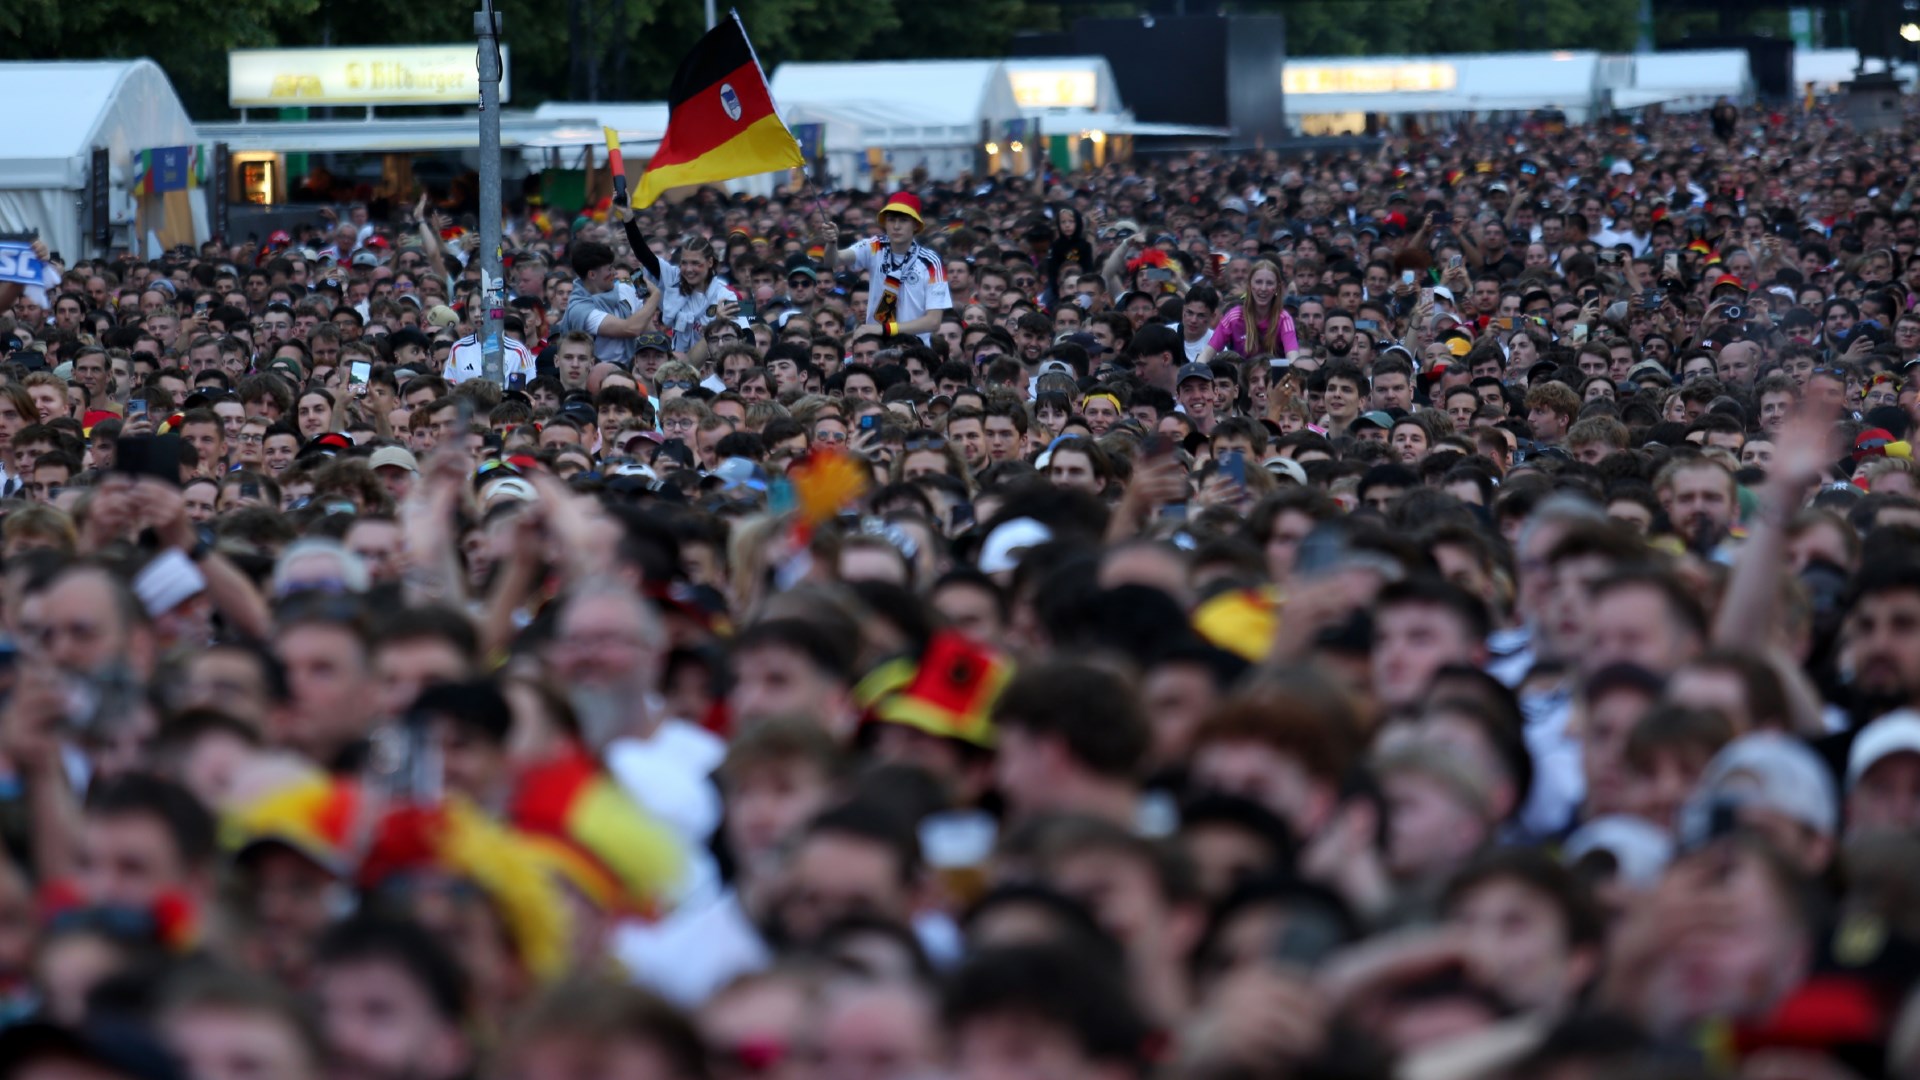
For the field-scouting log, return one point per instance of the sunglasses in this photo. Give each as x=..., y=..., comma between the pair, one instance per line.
x=677, y=384
x=800, y=283
x=924, y=442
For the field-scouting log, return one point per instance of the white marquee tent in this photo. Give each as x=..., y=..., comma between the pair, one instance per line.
x=1684, y=81
x=1438, y=87
x=61, y=111
x=925, y=113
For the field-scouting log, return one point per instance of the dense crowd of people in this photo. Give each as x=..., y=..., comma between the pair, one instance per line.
x=1444, y=610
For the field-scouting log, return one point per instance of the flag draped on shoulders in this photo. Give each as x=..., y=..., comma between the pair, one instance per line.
x=721, y=122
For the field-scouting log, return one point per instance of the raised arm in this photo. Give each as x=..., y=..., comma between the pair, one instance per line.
x=1751, y=608
x=641, y=251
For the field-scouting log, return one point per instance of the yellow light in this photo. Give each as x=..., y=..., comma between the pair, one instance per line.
x=1017, y=146
x=993, y=148
x=1097, y=137
x=1369, y=79
x=1910, y=31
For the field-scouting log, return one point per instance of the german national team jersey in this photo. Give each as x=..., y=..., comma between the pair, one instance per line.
x=902, y=287
x=465, y=361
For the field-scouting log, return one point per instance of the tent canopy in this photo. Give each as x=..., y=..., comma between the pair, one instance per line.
x=640, y=123
x=1695, y=78
x=883, y=95
x=1489, y=82
x=123, y=105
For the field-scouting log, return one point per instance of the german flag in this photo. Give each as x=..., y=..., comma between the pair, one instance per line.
x=720, y=124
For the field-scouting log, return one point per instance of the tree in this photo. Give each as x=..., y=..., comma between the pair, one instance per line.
x=190, y=46
x=976, y=29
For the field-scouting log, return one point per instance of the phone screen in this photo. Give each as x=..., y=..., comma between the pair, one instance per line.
x=358, y=372
x=136, y=407
x=1233, y=466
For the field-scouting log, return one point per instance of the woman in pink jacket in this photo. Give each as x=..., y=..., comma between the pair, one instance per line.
x=1258, y=327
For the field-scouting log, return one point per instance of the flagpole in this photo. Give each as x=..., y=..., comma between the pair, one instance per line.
x=493, y=295
x=713, y=17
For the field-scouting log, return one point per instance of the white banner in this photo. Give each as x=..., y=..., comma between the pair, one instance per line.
x=370, y=75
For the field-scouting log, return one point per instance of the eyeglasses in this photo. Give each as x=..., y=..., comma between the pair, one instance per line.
x=830, y=436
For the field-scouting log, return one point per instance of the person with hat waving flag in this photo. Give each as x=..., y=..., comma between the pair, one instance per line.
x=907, y=291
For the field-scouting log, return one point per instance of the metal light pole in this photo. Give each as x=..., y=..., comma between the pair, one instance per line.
x=713, y=18
x=493, y=293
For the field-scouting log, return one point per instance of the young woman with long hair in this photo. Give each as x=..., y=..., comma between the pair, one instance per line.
x=1258, y=326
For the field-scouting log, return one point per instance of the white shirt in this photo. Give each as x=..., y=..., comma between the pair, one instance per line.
x=902, y=287
x=685, y=313
x=1194, y=348
x=1559, y=783
x=465, y=361
x=694, y=951
x=670, y=774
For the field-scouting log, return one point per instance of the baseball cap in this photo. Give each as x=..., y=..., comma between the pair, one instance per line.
x=1441, y=292
x=1056, y=367
x=739, y=472
x=1377, y=418
x=1194, y=371
x=581, y=412
x=508, y=487
x=1648, y=369
x=1768, y=770
x=365, y=258
x=653, y=340
x=1872, y=442
x=1287, y=467
x=398, y=457
x=1897, y=732
x=442, y=315
x=327, y=444
x=1640, y=849
x=1084, y=340
x=1004, y=546
x=1728, y=281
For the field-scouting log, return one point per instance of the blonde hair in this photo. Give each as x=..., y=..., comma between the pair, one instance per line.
x=1263, y=342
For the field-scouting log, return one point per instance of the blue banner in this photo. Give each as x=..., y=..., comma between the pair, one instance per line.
x=809, y=136
x=172, y=166
x=18, y=264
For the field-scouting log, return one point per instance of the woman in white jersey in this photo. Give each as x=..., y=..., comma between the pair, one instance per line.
x=906, y=284
x=691, y=296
